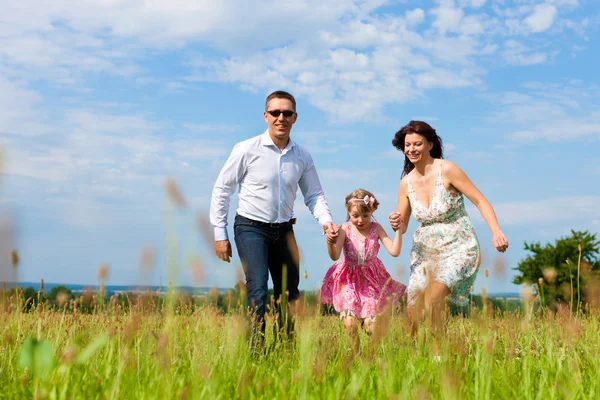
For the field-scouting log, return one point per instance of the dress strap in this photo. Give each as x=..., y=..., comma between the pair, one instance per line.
x=349, y=233
x=410, y=187
x=374, y=227
x=440, y=180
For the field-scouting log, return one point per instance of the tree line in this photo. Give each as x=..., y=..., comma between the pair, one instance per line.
x=565, y=273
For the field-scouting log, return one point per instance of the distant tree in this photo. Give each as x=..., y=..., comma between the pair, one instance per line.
x=555, y=266
x=32, y=298
x=27, y=297
x=59, y=295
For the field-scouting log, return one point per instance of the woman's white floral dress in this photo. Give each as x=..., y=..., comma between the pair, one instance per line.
x=445, y=246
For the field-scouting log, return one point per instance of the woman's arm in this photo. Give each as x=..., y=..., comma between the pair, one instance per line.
x=402, y=213
x=335, y=249
x=392, y=246
x=457, y=178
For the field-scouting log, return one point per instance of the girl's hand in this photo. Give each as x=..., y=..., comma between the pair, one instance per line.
x=500, y=241
x=332, y=232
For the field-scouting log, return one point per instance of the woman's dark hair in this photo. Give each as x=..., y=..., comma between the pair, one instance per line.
x=423, y=129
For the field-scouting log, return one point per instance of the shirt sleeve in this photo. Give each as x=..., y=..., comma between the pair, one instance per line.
x=232, y=173
x=312, y=191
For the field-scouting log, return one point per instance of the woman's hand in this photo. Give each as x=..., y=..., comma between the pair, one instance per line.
x=500, y=241
x=395, y=220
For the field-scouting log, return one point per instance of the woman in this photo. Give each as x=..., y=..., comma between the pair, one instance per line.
x=445, y=256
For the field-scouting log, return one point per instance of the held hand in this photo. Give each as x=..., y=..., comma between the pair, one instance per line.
x=499, y=241
x=332, y=231
x=395, y=220
x=223, y=249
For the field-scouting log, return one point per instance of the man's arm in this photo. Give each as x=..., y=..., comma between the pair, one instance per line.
x=229, y=177
x=312, y=191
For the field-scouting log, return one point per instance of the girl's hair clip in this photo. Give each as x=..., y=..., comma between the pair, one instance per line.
x=368, y=200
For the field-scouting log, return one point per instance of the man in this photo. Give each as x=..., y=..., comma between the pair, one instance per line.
x=268, y=169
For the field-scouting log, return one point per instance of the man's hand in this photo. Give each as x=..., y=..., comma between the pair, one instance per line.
x=332, y=231
x=223, y=249
x=395, y=220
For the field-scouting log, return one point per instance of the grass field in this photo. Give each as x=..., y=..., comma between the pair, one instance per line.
x=203, y=354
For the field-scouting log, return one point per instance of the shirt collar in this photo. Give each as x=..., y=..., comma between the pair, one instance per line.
x=267, y=141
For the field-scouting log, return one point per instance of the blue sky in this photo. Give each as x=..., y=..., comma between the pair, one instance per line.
x=101, y=101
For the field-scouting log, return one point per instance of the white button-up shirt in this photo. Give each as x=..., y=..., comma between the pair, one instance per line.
x=268, y=180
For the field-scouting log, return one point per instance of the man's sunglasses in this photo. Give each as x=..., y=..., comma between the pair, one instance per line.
x=277, y=113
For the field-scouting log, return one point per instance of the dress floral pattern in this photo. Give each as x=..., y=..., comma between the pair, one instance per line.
x=445, y=246
x=358, y=283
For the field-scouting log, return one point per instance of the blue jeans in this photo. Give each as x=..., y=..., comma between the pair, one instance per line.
x=262, y=249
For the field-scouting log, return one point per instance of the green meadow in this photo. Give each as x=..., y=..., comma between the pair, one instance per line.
x=191, y=350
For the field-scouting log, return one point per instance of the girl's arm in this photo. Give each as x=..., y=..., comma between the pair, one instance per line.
x=392, y=246
x=335, y=249
x=462, y=183
x=401, y=215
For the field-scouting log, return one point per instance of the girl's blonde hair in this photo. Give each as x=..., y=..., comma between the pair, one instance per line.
x=364, y=200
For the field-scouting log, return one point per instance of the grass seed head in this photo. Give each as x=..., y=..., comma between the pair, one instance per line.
x=293, y=247
x=14, y=258
x=68, y=355
x=206, y=230
x=214, y=294
x=549, y=274
x=489, y=345
x=103, y=272
x=174, y=193
x=62, y=299
x=197, y=269
x=183, y=394
x=499, y=266
x=147, y=258
x=400, y=269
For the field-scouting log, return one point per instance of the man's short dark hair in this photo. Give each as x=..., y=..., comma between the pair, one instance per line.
x=280, y=94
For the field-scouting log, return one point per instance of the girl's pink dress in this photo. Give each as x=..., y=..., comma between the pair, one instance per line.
x=358, y=283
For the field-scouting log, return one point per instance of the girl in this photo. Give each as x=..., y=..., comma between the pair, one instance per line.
x=358, y=286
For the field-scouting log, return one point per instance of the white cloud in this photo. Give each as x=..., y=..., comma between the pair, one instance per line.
x=19, y=113
x=515, y=53
x=104, y=166
x=325, y=142
x=566, y=3
x=392, y=153
x=557, y=210
x=199, y=150
x=472, y=3
x=549, y=111
x=555, y=131
x=339, y=52
x=357, y=176
x=441, y=78
x=356, y=78
x=489, y=49
x=212, y=129
x=447, y=18
x=98, y=161
x=542, y=18
x=414, y=17
x=449, y=147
